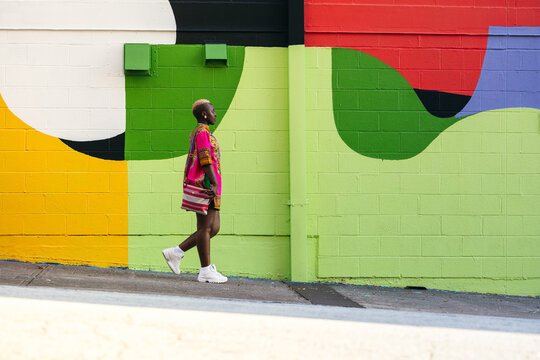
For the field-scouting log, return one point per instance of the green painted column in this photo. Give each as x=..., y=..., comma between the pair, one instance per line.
x=297, y=162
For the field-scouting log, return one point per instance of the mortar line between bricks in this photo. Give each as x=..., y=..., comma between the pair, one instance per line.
x=35, y=276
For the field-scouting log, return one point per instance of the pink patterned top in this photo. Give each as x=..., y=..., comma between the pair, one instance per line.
x=204, y=150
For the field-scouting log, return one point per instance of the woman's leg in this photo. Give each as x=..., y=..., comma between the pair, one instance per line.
x=191, y=241
x=204, y=228
x=215, y=225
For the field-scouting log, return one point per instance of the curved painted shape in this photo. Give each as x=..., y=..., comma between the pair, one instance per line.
x=70, y=83
x=84, y=196
x=376, y=111
x=511, y=72
x=435, y=47
x=442, y=104
x=159, y=118
x=238, y=22
x=108, y=149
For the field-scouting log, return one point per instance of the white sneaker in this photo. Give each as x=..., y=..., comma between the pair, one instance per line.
x=211, y=275
x=173, y=257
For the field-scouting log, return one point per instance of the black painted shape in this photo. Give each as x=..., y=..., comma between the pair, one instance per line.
x=234, y=22
x=322, y=294
x=296, y=22
x=108, y=149
x=442, y=104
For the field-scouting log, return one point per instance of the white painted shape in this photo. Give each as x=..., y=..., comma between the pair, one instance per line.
x=54, y=80
x=24, y=75
x=2, y=74
x=86, y=55
x=63, y=118
x=70, y=76
x=49, y=54
x=34, y=98
x=80, y=97
x=140, y=15
x=13, y=54
x=55, y=76
x=99, y=78
x=103, y=119
x=71, y=37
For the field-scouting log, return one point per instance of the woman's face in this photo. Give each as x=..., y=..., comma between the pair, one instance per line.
x=211, y=115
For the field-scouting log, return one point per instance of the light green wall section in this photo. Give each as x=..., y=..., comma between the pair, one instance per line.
x=253, y=136
x=297, y=159
x=462, y=215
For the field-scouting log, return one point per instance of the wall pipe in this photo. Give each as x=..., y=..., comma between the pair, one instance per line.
x=297, y=163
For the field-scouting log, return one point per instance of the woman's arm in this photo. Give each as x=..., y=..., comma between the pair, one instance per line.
x=209, y=171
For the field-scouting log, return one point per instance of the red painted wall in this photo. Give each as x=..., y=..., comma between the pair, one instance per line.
x=435, y=44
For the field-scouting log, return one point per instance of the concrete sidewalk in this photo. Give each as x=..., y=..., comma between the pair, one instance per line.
x=54, y=323
x=186, y=285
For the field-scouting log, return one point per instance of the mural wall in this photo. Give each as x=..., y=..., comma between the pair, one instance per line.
x=432, y=177
x=423, y=137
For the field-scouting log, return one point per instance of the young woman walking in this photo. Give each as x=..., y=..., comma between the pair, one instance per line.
x=202, y=194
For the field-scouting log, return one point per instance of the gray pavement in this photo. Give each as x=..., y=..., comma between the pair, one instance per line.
x=417, y=302
x=55, y=323
x=143, y=282
x=296, y=310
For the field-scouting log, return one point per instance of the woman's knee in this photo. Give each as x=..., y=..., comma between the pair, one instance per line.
x=205, y=229
x=214, y=229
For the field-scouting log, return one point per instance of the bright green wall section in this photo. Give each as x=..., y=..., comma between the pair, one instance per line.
x=462, y=215
x=377, y=113
x=297, y=161
x=158, y=107
x=253, y=136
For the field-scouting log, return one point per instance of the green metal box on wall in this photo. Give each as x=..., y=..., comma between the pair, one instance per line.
x=215, y=54
x=137, y=59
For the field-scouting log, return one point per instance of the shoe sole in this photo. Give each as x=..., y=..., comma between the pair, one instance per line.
x=212, y=282
x=167, y=261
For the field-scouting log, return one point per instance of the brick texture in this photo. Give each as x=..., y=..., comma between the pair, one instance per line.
x=57, y=205
x=253, y=136
x=459, y=215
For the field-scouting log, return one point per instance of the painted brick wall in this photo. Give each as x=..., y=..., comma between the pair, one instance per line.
x=62, y=62
x=57, y=205
x=434, y=44
x=61, y=76
x=253, y=138
x=402, y=194
x=461, y=215
x=423, y=150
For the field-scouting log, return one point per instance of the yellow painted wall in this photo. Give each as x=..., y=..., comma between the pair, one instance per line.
x=58, y=205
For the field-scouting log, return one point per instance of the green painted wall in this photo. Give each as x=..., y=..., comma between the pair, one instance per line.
x=158, y=107
x=454, y=205
x=253, y=136
x=377, y=113
x=464, y=214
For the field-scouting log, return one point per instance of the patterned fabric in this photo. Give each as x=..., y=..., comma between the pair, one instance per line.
x=194, y=199
x=204, y=150
x=204, y=157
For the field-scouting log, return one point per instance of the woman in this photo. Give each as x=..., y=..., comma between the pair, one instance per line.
x=202, y=187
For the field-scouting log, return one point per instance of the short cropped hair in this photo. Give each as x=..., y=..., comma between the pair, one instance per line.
x=198, y=107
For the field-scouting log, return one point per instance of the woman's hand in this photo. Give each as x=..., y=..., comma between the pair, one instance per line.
x=212, y=192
